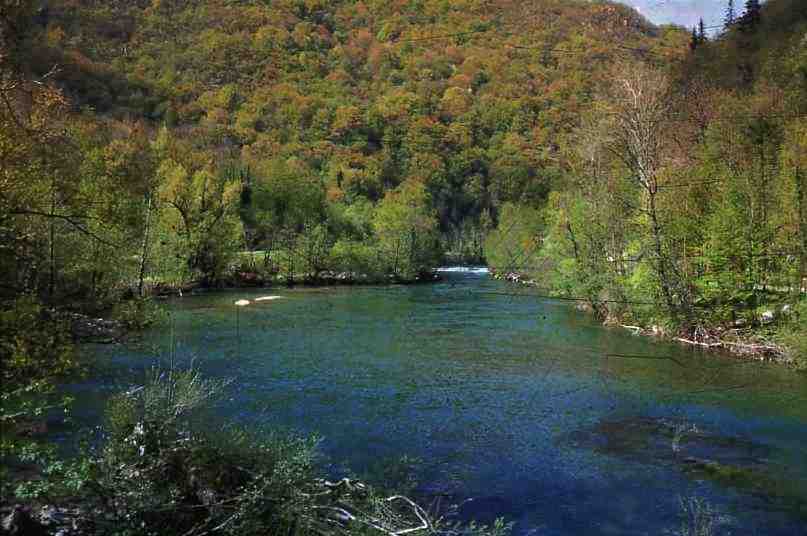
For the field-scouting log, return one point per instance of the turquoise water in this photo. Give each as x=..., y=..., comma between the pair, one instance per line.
x=511, y=403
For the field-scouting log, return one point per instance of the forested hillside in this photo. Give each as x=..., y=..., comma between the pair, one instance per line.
x=682, y=202
x=358, y=137
x=233, y=141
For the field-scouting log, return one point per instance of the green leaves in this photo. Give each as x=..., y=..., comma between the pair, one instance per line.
x=406, y=229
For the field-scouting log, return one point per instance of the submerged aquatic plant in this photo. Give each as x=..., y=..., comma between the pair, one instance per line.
x=699, y=518
x=680, y=432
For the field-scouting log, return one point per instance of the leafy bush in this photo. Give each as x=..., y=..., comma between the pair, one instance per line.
x=138, y=313
x=794, y=335
x=35, y=349
x=356, y=258
x=34, y=343
x=161, y=470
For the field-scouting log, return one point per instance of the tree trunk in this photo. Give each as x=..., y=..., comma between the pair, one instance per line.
x=802, y=212
x=52, y=239
x=144, y=250
x=661, y=259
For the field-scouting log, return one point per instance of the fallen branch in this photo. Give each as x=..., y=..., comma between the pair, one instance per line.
x=699, y=343
x=419, y=512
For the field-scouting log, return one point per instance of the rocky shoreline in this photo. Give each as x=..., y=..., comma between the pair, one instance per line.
x=85, y=328
x=738, y=341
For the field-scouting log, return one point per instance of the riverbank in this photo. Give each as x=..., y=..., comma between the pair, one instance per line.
x=741, y=339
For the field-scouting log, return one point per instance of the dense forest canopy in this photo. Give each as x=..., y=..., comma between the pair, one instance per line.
x=686, y=188
x=263, y=125
x=163, y=141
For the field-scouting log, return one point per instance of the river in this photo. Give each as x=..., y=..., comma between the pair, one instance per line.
x=523, y=405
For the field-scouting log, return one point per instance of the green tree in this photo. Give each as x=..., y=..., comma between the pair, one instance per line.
x=513, y=245
x=200, y=225
x=640, y=108
x=288, y=200
x=794, y=169
x=407, y=231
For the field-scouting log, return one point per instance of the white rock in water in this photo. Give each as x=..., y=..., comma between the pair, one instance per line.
x=268, y=298
x=241, y=303
x=767, y=317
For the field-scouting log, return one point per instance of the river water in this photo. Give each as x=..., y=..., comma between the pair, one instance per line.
x=515, y=406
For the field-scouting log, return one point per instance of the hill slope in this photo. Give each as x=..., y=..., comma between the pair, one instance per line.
x=366, y=91
x=369, y=135
x=684, y=202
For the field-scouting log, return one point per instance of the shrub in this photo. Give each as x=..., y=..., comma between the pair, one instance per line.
x=794, y=335
x=35, y=349
x=161, y=470
x=356, y=258
x=34, y=343
x=138, y=313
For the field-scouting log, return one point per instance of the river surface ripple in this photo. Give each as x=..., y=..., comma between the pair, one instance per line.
x=515, y=406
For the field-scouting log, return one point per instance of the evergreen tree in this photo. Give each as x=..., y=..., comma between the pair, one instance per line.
x=698, y=36
x=694, y=41
x=750, y=19
x=731, y=16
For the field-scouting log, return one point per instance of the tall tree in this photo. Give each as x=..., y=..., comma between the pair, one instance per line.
x=752, y=16
x=731, y=16
x=694, y=42
x=406, y=229
x=200, y=206
x=794, y=155
x=641, y=107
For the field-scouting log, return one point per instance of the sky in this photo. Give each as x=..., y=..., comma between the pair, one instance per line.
x=683, y=12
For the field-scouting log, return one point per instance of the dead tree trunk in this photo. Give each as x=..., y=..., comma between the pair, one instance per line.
x=642, y=110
